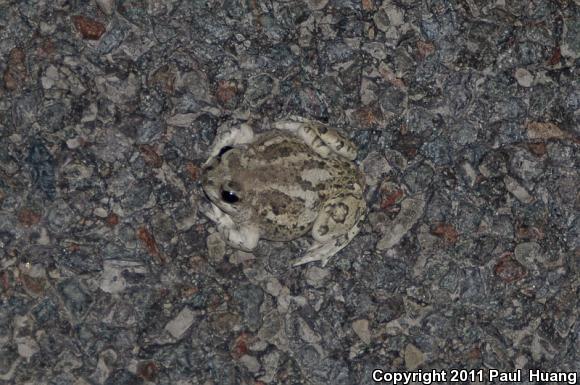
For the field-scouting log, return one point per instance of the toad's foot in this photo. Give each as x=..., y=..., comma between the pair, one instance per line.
x=242, y=237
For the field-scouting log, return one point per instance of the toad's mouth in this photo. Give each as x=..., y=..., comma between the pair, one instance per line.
x=206, y=194
x=206, y=178
x=207, y=187
x=211, y=192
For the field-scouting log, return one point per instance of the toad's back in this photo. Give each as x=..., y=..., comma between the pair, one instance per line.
x=285, y=182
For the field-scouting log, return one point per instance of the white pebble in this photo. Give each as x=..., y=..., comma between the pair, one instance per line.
x=524, y=77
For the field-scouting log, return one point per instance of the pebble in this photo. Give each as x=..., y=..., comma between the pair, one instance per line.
x=545, y=131
x=395, y=15
x=316, y=5
x=316, y=276
x=240, y=257
x=413, y=357
x=88, y=28
x=250, y=362
x=517, y=190
x=273, y=286
x=394, y=230
x=529, y=253
x=107, y=6
x=179, y=325
x=112, y=278
x=74, y=143
x=100, y=212
x=361, y=328
x=27, y=347
x=524, y=77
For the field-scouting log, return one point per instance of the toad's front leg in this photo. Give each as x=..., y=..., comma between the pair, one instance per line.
x=236, y=136
x=242, y=237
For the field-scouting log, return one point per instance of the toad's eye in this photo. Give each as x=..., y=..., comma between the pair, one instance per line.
x=224, y=150
x=229, y=197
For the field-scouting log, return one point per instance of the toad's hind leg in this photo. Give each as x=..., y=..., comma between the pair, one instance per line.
x=324, y=251
x=336, y=225
x=319, y=137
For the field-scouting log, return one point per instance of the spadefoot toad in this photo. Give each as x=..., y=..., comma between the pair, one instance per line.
x=282, y=184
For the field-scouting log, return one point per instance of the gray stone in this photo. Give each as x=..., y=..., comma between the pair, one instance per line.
x=517, y=190
x=414, y=357
x=75, y=297
x=524, y=77
x=316, y=276
x=570, y=46
x=181, y=323
x=250, y=362
x=525, y=166
x=42, y=169
x=106, y=6
x=394, y=230
x=250, y=298
x=114, y=272
x=361, y=328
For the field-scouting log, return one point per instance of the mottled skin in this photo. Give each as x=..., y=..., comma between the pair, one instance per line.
x=286, y=183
